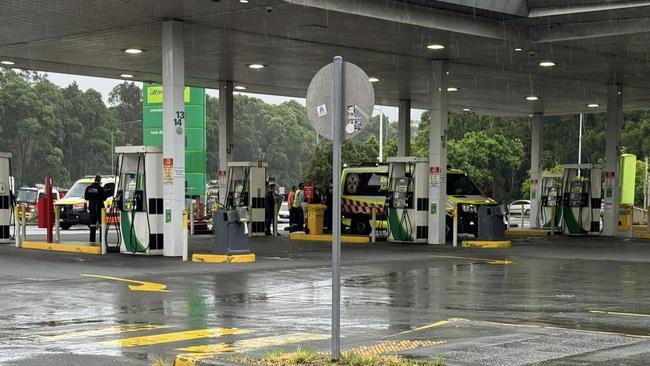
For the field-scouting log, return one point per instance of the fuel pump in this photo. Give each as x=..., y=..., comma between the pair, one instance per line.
x=139, y=199
x=6, y=197
x=581, y=198
x=247, y=193
x=551, y=201
x=407, y=199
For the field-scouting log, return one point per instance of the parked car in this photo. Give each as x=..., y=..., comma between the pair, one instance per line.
x=515, y=207
x=74, y=208
x=283, y=215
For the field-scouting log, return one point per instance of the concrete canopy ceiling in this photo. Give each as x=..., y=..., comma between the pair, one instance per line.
x=593, y=43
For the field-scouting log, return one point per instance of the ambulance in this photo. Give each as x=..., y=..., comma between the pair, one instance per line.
x=364, y=189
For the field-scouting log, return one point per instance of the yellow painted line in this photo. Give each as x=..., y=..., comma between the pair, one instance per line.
x=528, y=233
x=175, y=337
x=428, y=326
x=219, y=258
x=644, y=235
x=58, y=247
x=346, y=239
x=103, y=332
x=499, y=262
x=141, y=285
x=487, y=244
x=619, y=313
x=196, y=353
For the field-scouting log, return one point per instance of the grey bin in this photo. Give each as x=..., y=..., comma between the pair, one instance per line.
x=230, y=233
x=490, y=223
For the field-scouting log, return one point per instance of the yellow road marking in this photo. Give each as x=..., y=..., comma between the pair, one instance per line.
x=396, y=346
x=201, y=352
x=175, y=337
x=141, y=285
x=428, y=326
x=104, y=331
x=619, y=313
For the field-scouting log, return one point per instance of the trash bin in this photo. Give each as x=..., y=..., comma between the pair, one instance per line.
x=490, y=223
x=625, y=216
x=230, y=233
x=315, y=218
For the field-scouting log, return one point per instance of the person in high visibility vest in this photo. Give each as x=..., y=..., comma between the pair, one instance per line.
x=297, y=206
x=290, y=197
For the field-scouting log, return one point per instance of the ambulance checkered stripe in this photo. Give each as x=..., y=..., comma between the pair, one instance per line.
x=352, y=207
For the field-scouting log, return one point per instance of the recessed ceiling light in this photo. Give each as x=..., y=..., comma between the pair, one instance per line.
x=126, y=76
x=240, y=87
x=5, y=62
x=243, y=1
x=452, y=89
x=256, y=66
x=133, y=51
x=530, y=115
x=373, y=79
x=547, y=64
x=435, y=46
x=593, y=105
x=518, y=49
x=532, y=98
x=466, y=110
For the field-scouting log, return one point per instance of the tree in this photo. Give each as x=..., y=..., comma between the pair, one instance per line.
x=126, y=102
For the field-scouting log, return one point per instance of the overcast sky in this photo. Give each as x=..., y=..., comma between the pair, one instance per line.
x=104, y=86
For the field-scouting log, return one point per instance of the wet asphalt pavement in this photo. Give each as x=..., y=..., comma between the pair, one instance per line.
x=557, y=301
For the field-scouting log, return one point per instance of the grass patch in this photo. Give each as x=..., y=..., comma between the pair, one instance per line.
x=308, y=357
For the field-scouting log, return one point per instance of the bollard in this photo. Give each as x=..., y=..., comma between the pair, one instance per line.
x=631, y=221
x=522, y=215
x=17, y=226
x=192, y=219
x=552, y=220
x=57, y=225
x=373, y=225
x=102, y=232
x=24, y=228
x=185, y=237
x=455, y=226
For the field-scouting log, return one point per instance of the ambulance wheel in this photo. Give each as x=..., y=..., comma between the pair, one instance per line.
x=361, y=225
x=65, y=226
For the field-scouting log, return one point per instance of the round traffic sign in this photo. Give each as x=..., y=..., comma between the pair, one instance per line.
x=359, y=97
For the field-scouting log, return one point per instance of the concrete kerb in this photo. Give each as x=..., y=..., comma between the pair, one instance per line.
x=85, y=248
x=212, y=362
x=327, y=238
x=223, y=258
x=487, y=244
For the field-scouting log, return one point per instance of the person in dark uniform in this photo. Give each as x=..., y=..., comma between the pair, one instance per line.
x=269, y=212
x=95, y=196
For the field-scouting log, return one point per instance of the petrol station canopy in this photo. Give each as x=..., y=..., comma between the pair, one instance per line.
x=494, y=47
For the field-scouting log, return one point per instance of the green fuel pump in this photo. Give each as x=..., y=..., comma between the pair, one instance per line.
x=408, y=191
x=139, y=199
x=551, y=201
x=247, y=193
x=6, y=198
x=581, y=199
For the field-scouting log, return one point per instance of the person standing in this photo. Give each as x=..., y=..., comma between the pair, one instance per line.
x=297, y=205
x=327, y=201
x=269, y=210
x=292, y=212
x=95, y=196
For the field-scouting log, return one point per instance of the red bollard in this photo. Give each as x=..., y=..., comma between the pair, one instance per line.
x=49, y=209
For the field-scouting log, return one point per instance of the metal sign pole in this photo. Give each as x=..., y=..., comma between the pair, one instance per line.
x=337, y=122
